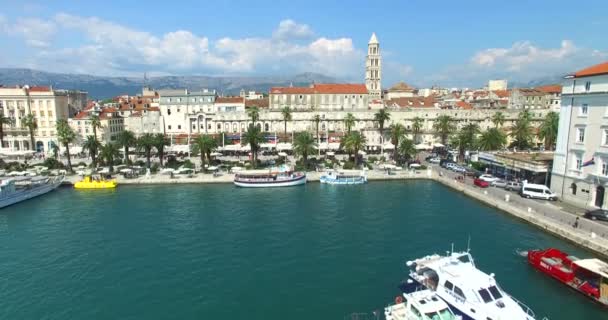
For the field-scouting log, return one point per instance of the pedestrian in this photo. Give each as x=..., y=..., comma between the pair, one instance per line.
x=575, y=225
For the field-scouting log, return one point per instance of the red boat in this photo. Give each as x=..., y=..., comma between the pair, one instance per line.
x=587, y=276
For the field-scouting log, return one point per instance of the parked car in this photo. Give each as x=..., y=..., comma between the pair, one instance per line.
x=434, y=160
x=445, y=162
x=487, y=178
x=598, y=214
x=513, y=186
x=481, y=183
x=538, y=191
x=459, y=169
x=499, y=183
x=471, y=173
x=450, y=165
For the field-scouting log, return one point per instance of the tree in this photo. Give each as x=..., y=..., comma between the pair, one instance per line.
x=349, y=121
x=548, y=130
x=498, y=119
x=304, y=144
x=95, y=123
x=146, y=143
x=466, y=138
x=254, y=138
x=397, y=132
x=126, y=139
x=406, y=150
x=353, y=142
x=29, y=122
x=65, y=135
x=417, y=123
x=92, y=146
x=4, y=121
x=444, y=126
x=109, y=152
x=55, y=149
x=521, y=131
x=160, y=141
x=382, y=116
x=316, y=119
x=204, y=145
x=254, y=113
x=286, y=113
x=492, y=139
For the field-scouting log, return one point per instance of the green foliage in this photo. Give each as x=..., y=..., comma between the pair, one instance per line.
x=444, y=126
x=65, y=135
x=349, y=165
x=492, y=139
x=353, y=142
x=304, y=145
x=406, y=150
x=145, y=143
x=154, y=168
x=53, y=163
x=109, y=153
x=382, y=116
x=548, y=130
x=397, y=131
x=417, y=123
x=286, y=113
x=521, y=131
x=13, y=166
x=498, y=119
x=254, y=138
x=372, y=159
x=253, y=113
x=349, y=121
x=92, y=146
x=203, y=146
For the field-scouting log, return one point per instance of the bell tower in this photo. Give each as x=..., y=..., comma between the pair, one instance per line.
x=373, y=68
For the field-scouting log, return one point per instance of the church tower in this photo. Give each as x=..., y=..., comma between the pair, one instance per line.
x=373, y=68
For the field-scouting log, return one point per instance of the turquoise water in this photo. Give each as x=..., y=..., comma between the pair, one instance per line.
x=219, y=252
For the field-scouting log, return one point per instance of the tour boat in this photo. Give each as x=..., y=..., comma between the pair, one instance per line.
x=88, y=182
x=587, y=276
x=468, y=291
x=344, y=177
x=269, y=178
x=17, y=189
x=419, y=305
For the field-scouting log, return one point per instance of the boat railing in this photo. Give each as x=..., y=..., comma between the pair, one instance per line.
x=526, y=309
x=376, y=315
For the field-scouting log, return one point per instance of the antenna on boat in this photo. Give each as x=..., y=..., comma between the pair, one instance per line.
x=469, y=244
x=452, y=248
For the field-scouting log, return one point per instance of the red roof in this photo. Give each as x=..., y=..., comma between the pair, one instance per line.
x=552, y=88
x=323, y=88
x=229, y=100
x=292, y=90
x=413, y=102
x=464, y=105
x=39, y=89
x=260, y=103
x=81, y=115
x=154, y=109
x=595, y=70
x=502, y=93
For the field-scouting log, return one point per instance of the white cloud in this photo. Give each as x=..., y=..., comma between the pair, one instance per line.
x=290, y=30
x=522, y=54
x=35, y=32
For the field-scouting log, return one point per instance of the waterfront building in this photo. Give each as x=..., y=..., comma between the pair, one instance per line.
x=553, y=96
x=251, y=95
x=183, y=108
x=533, y=167
x=494, y=85
x=111, y=124
x=44, y=103
x=320, y=97
x=529, y=98
x=400, y=90
x=373, y=69
x=580, y=166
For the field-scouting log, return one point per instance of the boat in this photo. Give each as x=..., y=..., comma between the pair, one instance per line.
x=344, y=177
x=587, y=276
x=468, y=291
x=17, y=189
x=269, y=178
x=90, y=182
x=419, y=305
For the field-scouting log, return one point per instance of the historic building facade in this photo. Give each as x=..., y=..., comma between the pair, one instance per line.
x=373, y=69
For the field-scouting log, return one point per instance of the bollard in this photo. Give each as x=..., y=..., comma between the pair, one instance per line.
x=485, y=192
x=529, y=210
x=506, y=198
x=593, y=235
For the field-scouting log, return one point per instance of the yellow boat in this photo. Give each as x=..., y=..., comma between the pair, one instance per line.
x=89, y=183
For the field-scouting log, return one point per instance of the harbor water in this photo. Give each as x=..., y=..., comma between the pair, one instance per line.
x=221, y=252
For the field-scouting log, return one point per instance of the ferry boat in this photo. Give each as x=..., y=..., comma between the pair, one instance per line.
x=89, y=182
x=344, y=177
x=419, y=305
x=17, y=189
x=587, y=276
x=269, y=178
x=468, y=291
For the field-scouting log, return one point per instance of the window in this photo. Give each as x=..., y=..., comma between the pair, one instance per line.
x=449, y=285
x=605, y=167
x=416, y=312
x=169, y=127
x=179, y=127
x=573, y=187
x=458, y=292
x=584, y=109
x=580, y=135
x=605, y=137
x=578, y=162
x=587, y=86
x=168, y=111
x=485, y=295
x=495, y=292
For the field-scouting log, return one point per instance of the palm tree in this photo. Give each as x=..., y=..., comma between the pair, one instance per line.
x=286, y=113
x=146, y=143
x=254, y=113
x=126, y=139
x=254, y=138
x=521, y=131
x=406, y=149
x=29, y=122
x=498, y=119
x=417, y=123
x=95, y=123
x=467, y=138
x=353, y=142
x=317, y=119
x=92, y=146
x=397, y=132
x=444, y=126
x=4, y=121
x=548, y=130
x=492, y=139
x=109, y=152
x=160, y=141
x=204, y=145
x=381, y=117
x=349, y=121
x=55, y=149
x=303, y=145
x=65, y=135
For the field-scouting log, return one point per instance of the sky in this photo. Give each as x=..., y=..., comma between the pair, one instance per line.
x=424, y=43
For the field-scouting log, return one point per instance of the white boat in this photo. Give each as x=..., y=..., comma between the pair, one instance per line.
x=344, y=177
x=419, y=305
x=468, y=291
x=269, y=178
x=17, y=189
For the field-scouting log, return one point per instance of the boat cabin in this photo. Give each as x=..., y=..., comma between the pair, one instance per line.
x=420, y=305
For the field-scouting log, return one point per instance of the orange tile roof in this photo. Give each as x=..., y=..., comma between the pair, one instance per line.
x=323, y=88
x=292, y=90
x=413, y=102
x=260, y=103
x=552, y=88
x=464, y=105
x=39, y=89
x=81, y=115
x=595, y=70
x=502, y=93
x=229, y=100
x=154, y=109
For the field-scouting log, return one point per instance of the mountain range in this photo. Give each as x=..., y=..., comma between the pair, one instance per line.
x=100, y=87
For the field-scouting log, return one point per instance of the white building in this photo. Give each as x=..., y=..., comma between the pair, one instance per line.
x=497, y=85
x=580, y=166
x=251, y=95
x=373, y=69
x=400, y=90
x=112, y=124
x=182, y=109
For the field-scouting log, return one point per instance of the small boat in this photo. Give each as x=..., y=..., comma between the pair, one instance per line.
x=344, y=177
x=419, y=305
x=269, y=178
x=587, y=276
x=90, y=182
x=17, y=189
x=468, y=291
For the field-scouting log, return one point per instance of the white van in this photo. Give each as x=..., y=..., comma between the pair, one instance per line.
x=538, y=191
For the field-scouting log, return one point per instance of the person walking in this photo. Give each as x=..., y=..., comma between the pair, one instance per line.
x=575, y=225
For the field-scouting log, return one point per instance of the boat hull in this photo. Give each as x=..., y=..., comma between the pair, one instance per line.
x=32, y=193
x=301, y=180
x=327, y=180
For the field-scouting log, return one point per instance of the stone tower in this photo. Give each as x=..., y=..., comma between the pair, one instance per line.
x=373, y=69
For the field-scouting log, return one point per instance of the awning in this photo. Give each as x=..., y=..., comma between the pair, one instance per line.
x=284, y=146
x=330, y=153
x=282, y=154
x=389, y=146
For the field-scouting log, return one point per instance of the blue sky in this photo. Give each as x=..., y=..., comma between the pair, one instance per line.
x=449, y=43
